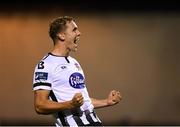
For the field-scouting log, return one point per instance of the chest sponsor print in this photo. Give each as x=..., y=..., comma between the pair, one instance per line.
x=76, y=80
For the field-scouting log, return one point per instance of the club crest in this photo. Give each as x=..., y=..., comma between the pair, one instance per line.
x=77, y=66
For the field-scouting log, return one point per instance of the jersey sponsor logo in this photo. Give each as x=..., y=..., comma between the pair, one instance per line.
x=41, y=75
x=76, y=80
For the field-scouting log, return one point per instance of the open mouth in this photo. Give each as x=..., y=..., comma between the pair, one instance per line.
x=76, y=40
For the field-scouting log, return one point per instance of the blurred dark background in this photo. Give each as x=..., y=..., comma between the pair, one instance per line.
x=130, y=46
x=81, y=6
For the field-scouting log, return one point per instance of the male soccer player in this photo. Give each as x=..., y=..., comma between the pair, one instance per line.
x=58, y=81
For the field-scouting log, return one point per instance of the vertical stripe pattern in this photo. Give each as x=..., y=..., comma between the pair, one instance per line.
x=87, y=119
x=60, y=114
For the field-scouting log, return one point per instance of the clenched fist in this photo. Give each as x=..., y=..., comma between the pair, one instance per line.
x=114, y=97
x=77, y=100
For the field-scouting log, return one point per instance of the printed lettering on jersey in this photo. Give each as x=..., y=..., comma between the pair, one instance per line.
x=41, y=75
x=76, y=80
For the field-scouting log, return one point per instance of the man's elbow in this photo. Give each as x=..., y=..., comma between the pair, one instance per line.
x=40, y=110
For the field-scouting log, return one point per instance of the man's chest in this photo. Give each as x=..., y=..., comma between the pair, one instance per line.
x=69, y=74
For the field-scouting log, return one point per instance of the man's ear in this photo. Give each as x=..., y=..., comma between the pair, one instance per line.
x=61, y=36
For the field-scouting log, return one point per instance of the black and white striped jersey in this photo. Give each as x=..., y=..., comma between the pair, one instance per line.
x=63, y=77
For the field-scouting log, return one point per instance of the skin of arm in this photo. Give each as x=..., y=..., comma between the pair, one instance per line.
x=113, y=98
x=43, y=105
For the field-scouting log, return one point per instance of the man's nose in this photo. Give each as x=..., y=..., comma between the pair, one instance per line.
x=79, y=33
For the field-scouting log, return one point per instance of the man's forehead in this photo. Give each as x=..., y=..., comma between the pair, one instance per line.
x=72, y=24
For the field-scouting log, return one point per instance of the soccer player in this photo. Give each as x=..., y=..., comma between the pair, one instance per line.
x=58, y=81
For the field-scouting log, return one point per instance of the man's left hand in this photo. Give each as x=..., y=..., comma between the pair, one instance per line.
x=114, y=97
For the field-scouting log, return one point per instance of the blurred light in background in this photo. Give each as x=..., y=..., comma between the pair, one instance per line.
x=125, y=46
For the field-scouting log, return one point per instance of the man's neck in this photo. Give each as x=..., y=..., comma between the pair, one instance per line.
x=60, y=50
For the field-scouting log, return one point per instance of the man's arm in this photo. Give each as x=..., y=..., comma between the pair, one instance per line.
x=113, y=98
x=43, y=105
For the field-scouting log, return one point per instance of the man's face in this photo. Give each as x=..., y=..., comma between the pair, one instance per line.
x=72, y=35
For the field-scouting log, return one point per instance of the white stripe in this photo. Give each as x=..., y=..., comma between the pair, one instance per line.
x=83, y=118
x=71, y=121
x=94, y=119
x=58, y=123
x=42, y=87
x=98, y=118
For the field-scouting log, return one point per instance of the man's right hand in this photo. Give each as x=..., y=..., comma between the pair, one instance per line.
x=77, y=100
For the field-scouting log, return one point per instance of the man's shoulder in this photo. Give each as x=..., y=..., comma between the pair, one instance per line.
x=73, y=59
x=45, y=62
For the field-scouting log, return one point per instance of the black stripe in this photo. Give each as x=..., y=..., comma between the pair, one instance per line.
x=89, y=119
x=94, y=124
x=97, y=123
x=60, y=114
x=41, y=84
x=78, y=120
x=94, y=115
x=67, y=60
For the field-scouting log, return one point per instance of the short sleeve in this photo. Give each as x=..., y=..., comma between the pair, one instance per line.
x=42, y=76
